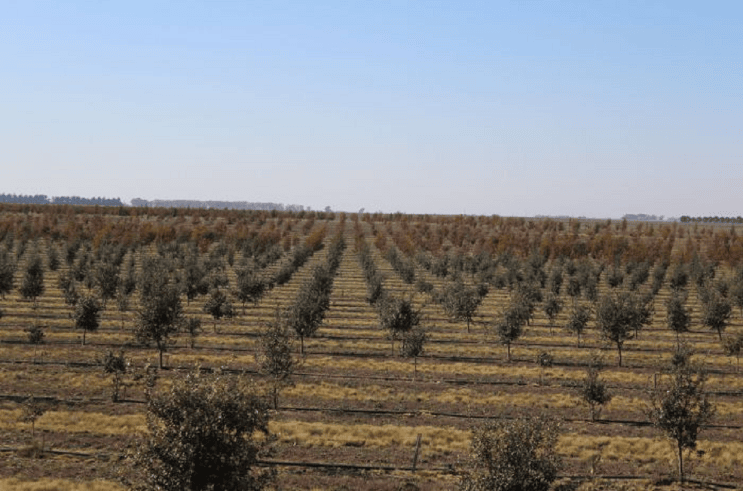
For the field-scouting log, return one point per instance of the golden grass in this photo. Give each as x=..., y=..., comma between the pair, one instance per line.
x=78, y=422
x=14, y=484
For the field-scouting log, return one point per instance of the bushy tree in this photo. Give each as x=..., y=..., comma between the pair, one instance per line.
x=509, y=325
x=107, y=280
x=32, y=284
x=578, y=320
x=193, y=329
x=87, y=315
x=7, y=273
x=732, y=346
x=275, y=358
x=716, y=311
x=203, y=436
x=552, y=308
x=616, y=319
x=461, y=302
x=115, y=364
x=680, y=408
x=160, y=315
x=677, y=316
x=593, y=390
x=398, y=316
x=413, y=345
x=250, y=287
x=218, y=306
x=517, y=455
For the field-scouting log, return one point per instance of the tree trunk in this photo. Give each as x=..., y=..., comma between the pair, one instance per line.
x=161, y=360
x=508, y=352
x=619, y=348
x=83, y=337
x=301, y=345
x=681, y=462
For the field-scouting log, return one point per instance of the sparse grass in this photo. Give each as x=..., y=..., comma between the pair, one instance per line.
x=14, y=484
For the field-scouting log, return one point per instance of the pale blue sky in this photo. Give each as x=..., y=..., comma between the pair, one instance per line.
x=512, y=108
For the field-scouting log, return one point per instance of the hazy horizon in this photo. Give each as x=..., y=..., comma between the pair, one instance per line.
x=510, y=108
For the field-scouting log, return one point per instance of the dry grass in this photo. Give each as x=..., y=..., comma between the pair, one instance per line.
x=14, y=484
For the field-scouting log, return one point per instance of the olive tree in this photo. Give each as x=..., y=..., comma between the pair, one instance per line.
x=160, y=316
x=7, y=273
x=716, y=311
x=677, y=316
x=552, y=308
x=275, y=358
x=615, y=318
x=680, y=408
x=578, y=320
x=413, y=345
x=509, y=325
x=204, y=434
x=32, y=284
x=517, y=455
x=593, y=390
x=398, y=317
x=218, y=306
x=87, y=315
x=115, y=364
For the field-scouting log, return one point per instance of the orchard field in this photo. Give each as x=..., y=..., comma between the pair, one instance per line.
x=358, y=410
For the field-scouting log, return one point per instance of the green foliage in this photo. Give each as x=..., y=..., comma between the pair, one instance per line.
x=516, y=455
x=160, y=315
x=218, y=306
x=32, y=284
x=461, y=303
x=677, y=316
x=716, y=311
x=593, y=390
x=509, y=325
x=202, y=435
x=617, y=316
x=578, y=320
x=107, y=280
x=275, y=357
x=680, y=408
x=250, y=287
x=31, y=410
x=87, y=315
x=552, y=307
x=115, y=364
x=192, y=327
x=397, y=316
x=7, y=273
x=413, y=345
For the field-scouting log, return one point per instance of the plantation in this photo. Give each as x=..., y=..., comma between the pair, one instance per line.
x=378, y=344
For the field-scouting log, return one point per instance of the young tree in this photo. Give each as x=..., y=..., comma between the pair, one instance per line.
x=250, y=287
x=461, y=303
x=35, y=336
x=115, y=365
x=680, y=408
x=106, y=278
x=160, y=316
x=413, y=344
x=578, y=320
x=193, y=329
x=275, y=358
x=732, y=346
x=615, y=318
x=203, y=436
x=677, y=316
x=7, y=273
x=593, y=391
x=398, y=317
x=31, y=410
x=509, y=326
x=87, y=315
x=33, y=280
x=552, y=308
x=716, y=311
x=218, y=306
x=518, y=455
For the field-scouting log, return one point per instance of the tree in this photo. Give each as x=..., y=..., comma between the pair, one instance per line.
x=193, y=329
x=275, y=356
x=517, y=455
x=35, y=336
x=203, y=436
x=31, y=410
x=398, y=317
x=32, y=284
x=732, y=346
x=115, y=365
x=677, y=316
x=552, y=308
x=461, y=303
x=509, y=326
x=250, y=288
x=680, y=408
x=107, y=279
x=593, y=391
x=160, y=316
x=87, y=315
x=616, y=320
x=218, y=306
x=413, y=344
x=716, y=311
x=7, y=272
x=578, y=320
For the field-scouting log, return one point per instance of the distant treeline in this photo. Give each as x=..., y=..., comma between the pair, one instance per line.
x=642, y=217
x=43, y=199
x=687, y=219
x=215, y=205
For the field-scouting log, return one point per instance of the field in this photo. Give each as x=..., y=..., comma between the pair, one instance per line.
x=352, y=417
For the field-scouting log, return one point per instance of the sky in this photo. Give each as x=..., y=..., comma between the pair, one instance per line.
x=515, y=108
